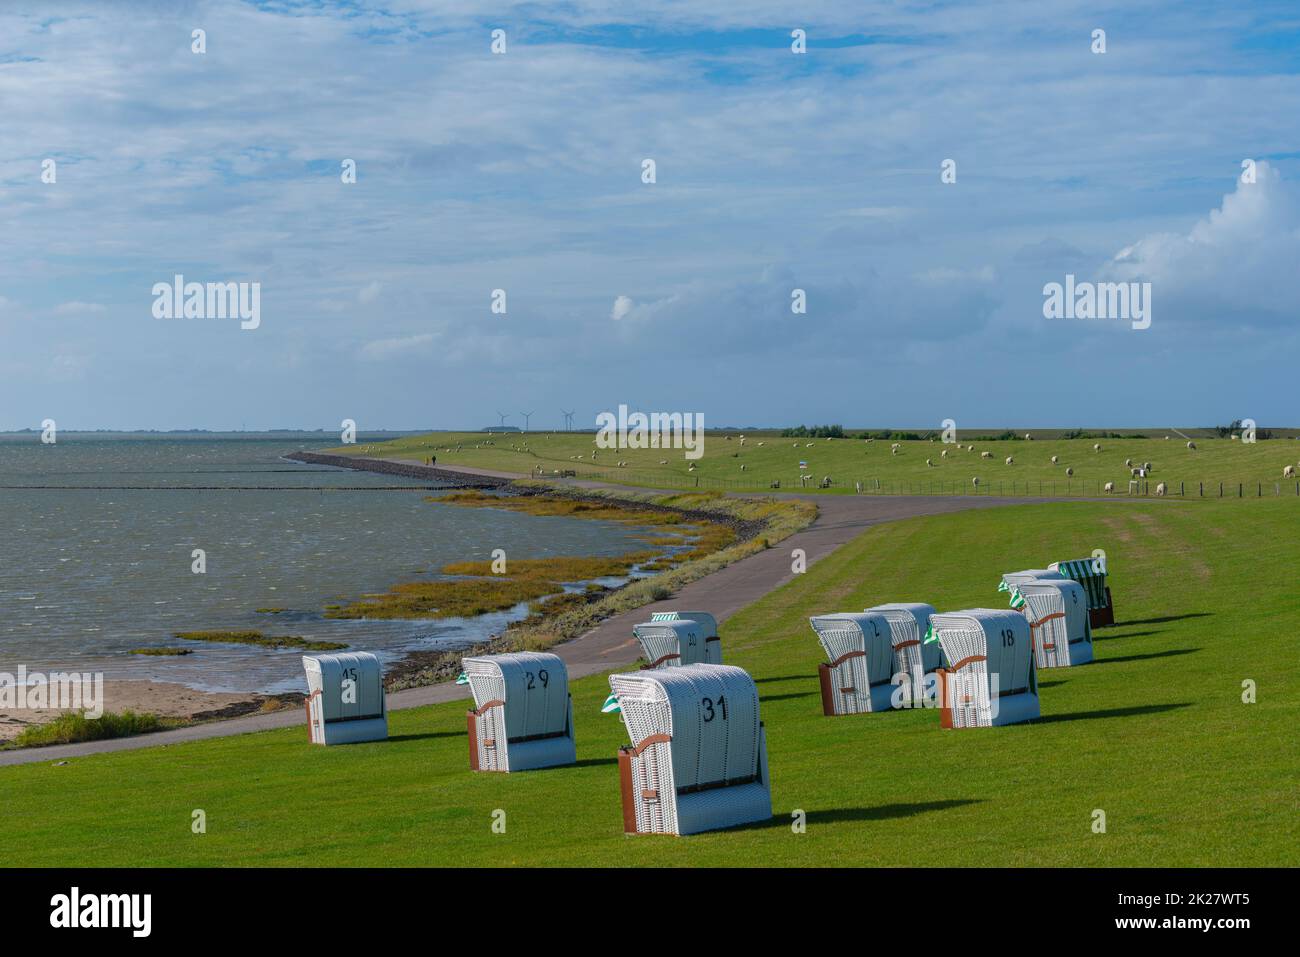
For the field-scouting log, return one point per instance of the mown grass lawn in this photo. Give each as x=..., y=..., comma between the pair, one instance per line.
x=849, y=461
x=1154, y=733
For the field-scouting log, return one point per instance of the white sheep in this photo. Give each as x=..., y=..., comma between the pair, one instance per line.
x=742, y=468
x=1108, y=487
x=1010, y=460
x=986, y=455
x=943, y=454
x=975, y=481
x=1069, y=473
x=1028, y=437
x=1289, y=472
x=1147, y=466
x=930, y=464
x=1096, y=447
x=1191, y=445
x=663, y=461
x=1055, y=459
x=1160, y=489
x=894, y=450
x=760, y=445
x=1128, y=463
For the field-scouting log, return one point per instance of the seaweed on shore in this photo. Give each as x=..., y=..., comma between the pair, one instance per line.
x=261, y=640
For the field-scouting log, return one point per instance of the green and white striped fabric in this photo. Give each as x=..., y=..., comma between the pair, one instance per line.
x=1002, y=585
x=1091, y=574
x=611, y=705
x=462, y=679
x=930, y=636
x=1017, y=599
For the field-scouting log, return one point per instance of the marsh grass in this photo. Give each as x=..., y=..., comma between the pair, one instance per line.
x=75, y=726
x=260, y=640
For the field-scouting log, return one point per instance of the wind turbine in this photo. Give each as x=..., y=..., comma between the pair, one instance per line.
x=527, y=416
x=568, y=420
x=503, y=418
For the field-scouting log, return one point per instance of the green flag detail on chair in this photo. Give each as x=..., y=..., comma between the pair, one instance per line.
x=611, y=704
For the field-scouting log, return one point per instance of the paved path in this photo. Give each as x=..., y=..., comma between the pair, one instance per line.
x=610, y=644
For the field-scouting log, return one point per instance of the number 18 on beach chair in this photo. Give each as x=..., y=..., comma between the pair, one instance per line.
x=990, y=679
x=698, y=758
x=345, y=698
x=523, y=715
x=673, y=638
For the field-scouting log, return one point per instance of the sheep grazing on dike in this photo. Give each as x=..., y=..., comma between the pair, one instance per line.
x=1108, y=487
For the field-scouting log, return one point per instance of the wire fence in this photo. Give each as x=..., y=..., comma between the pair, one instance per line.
x=1028, y=488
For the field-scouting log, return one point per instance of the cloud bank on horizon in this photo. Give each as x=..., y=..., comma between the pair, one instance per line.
x=126, y=159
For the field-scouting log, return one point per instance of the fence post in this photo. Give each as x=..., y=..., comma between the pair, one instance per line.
x=1180, y=488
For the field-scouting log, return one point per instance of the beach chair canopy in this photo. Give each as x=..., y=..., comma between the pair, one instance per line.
x=677, y=641
x=1057, y=611
x=345, y=698
x=523, y=716
x=1031, y=574
x=698, y=756
x=706, y=620
x=908, y=624
x=1091, y=574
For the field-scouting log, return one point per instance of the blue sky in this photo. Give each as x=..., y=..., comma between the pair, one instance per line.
x=522, y=172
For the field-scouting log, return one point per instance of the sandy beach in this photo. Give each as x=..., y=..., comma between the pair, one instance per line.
x=165, y=699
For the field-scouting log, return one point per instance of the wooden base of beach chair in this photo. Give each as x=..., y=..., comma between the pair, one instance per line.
x=1102, y=617
x=825, y=675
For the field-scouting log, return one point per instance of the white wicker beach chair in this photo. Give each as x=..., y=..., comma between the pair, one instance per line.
x=698, y=758
x=523, y=714
x=991, y=679
x=1091, y=574
x=674, y=638
x=1058, y=622
x=908, y=623
x=345, y=698
x=859, y=675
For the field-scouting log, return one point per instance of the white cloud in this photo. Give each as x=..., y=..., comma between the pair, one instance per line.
x=622, y=306
x=369, y=292
x=384, y=349
x=78, y=308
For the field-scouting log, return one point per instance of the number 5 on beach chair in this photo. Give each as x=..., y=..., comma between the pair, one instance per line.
x=523, y=715
x=698, y=758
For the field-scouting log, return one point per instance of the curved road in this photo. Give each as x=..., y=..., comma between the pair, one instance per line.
x=610, y=644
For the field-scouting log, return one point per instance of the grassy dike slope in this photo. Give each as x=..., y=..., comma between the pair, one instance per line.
x=1154, y=733
x=852, y=460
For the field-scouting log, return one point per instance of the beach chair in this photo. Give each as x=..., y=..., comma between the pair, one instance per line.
x=1058, y=622
x=990, y=679
x=523, y=714
x=859, y=674
x=1091, y=574
x=908, y=624
x=345, y=698
x=698, y=758
x=673, y=638
x=1028, y=575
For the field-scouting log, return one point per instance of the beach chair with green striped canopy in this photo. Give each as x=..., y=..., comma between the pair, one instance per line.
x=673, y=638
x=1091, y=574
